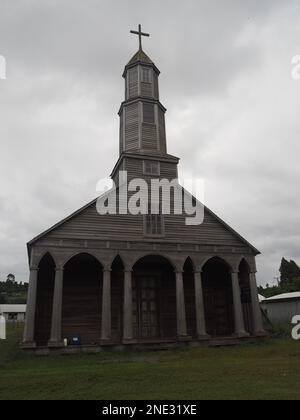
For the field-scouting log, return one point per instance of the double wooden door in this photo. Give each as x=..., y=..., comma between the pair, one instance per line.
x=146, y=306
x=218, y=312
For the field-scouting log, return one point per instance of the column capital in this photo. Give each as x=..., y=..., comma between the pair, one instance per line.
x=106, y=270
x=198, y=271
x=128, y=270
x=177, y=271
x=34, y=268
x=253, y=272
x=57, y=269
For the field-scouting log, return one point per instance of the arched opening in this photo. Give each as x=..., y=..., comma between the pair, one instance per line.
x=117, y=291
x=82, y=299
x=218, y=298
x=154, y=299
x=189, y=295
x=44, y=300
x=244, y=279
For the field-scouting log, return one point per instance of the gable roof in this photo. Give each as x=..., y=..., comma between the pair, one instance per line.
x=93, y=202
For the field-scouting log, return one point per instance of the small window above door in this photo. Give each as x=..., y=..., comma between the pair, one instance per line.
x=151, y=168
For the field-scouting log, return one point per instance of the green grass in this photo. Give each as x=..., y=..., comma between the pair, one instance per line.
x=268, y=370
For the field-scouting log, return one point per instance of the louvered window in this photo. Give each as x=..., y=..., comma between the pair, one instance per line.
x=148, y=113
x=146, y=75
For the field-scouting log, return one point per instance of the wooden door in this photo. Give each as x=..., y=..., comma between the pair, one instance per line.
x=217, y=309
x=145, y=307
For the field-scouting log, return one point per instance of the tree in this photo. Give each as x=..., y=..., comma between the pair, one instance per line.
x=11, y=278
x=289, y=271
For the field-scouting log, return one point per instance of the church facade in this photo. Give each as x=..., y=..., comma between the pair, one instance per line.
x=126, y=280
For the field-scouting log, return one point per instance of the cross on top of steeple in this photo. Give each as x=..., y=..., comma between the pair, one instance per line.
x=140, y=34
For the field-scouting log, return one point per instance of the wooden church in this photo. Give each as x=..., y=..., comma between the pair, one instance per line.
x=122, y=280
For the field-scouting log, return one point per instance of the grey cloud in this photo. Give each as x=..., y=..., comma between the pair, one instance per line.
x=232, y=110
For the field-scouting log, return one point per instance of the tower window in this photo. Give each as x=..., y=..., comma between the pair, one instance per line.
x=146, y=75
x=148, y=113
x=151, y=168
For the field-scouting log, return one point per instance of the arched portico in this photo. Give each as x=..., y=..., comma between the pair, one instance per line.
x=73, y=255
x=154, y=298
x=244, y=282
x=140, y=296
x=44, y=297
x=218, y=297
x=189, y=297
x=82, y=298
x=169, y=259
x=117, y=292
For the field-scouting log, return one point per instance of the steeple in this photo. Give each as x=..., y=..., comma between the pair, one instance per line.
x=142, y=116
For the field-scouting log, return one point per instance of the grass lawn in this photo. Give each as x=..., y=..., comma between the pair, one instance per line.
x=268, y=370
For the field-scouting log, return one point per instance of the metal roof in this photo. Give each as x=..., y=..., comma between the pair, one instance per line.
x=284, y=296
x=12, y=309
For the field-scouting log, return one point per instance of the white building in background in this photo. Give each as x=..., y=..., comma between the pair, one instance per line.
x=13, y=313
x=2, y=328
x=282, y=308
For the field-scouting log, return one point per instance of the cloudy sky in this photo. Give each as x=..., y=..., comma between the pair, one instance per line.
x=233, y=111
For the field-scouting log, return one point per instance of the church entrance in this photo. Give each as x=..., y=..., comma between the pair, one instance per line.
x=218, y=298
x=154, y=299
x=146, y=306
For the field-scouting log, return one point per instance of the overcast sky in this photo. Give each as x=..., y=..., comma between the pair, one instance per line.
x=233, y=111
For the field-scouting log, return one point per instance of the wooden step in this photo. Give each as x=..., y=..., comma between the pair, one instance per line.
x=224, y=342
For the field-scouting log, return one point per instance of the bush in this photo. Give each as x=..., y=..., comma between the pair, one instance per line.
x=283, y=330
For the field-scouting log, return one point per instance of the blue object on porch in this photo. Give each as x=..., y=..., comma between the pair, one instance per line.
x=76, y=340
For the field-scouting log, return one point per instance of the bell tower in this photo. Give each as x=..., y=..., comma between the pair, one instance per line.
x=142, y=116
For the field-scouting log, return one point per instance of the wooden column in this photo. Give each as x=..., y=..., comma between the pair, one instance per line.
x=256, y=310
x=127, y=317
x=238, y=309
x=200, y=313
x=106, y=306
x=180, y=305
x=28, y=338
x=56, y=324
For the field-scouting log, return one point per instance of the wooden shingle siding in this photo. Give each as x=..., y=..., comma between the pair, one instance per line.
x=121, y=133
x=132, y=127
x=90, y=225
x=149, y=136
x=162, y=131
x=146, y=90
x=155, y=86
x=134, y=167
